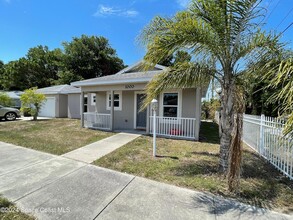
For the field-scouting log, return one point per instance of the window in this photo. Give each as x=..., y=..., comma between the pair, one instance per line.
x=93, y=99
x=117, y=101
x=170, y=104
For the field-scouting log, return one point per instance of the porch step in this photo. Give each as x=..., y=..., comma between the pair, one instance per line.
x=94, y=151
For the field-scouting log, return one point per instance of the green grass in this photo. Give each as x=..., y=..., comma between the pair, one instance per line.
x=8, y=211
x=195, y=165
x=56, y=136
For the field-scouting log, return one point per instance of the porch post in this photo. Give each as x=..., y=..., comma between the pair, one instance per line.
x=197, y=113
x=82, y=109
x=148, y=120
x=112, y=110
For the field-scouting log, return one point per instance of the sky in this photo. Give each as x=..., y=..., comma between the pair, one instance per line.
x=28, y=23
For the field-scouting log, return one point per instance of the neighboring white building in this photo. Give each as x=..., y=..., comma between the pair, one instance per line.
x=59, y=102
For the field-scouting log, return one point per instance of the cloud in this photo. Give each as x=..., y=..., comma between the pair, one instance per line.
x=111, y=11
x=183, y=3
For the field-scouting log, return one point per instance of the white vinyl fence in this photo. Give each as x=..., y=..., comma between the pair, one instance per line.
x=265, y=135
x=97, y=121
x=174, y=127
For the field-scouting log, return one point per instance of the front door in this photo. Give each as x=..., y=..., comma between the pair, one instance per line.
x=141, y=116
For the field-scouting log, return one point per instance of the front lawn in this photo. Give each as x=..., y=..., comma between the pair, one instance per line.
x=195, y=165
x=10, y=212
x=56, y=136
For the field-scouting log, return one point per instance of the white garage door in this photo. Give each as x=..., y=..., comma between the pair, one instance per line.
x=48, y=108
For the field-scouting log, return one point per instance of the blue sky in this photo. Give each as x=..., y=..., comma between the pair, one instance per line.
x=28, y=23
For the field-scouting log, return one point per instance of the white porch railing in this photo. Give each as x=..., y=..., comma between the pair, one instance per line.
x=174, y=127
x=97, y=121
x=265, y=135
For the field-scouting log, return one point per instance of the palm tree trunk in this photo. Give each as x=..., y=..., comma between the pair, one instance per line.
x=226, y=124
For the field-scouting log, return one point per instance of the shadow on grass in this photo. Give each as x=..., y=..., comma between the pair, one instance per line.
x=171, y=157
x=199, y=167
x=206, y=154
x=209, y=132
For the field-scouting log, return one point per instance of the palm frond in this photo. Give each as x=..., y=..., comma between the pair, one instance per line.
x=182, y=75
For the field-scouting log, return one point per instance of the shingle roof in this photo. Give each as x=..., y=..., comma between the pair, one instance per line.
x=130, y=74
x=60, y=89
x=137, y=77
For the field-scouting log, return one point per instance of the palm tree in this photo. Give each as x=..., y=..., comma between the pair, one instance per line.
x=281, y=75
x=220, y=35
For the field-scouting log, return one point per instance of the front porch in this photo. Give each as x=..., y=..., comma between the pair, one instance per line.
x=170, y=127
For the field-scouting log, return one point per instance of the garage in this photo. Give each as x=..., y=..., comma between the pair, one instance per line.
x=48, y=109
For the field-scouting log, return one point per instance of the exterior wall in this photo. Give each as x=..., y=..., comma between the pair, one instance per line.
x=74, y=106
x=122, y=87
x=63, y=105
x=90, y=107
x=123, y=119
x=188, y=103
x=101, y=103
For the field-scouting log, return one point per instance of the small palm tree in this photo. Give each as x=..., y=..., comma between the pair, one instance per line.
x=220, y=35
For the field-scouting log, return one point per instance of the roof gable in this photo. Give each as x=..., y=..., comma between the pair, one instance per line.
x=138, y=67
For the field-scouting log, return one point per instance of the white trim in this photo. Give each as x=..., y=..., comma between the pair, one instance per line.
x=161, y=107
x=135, y=108
x=113, y=82
x=93, y=103
x=120, y=101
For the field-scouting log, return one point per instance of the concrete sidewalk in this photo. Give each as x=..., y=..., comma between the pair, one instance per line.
x=94, y=151
x=54, y=187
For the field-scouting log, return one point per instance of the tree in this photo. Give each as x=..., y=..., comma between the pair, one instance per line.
x=91, y=56
x=32, y=102
x=44, y=65
x=38, y=69
x=66, y=77
x=5, y=100
x=16, y=75
x=221, y=35
x=281, y=76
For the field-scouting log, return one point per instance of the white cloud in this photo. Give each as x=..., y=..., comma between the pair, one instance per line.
x=183, y=3
x=131, y=13
x=108, y=11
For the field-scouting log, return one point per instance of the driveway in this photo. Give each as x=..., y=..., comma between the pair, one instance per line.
x=54, y=187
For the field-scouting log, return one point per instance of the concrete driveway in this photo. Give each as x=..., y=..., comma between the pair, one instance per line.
x=54, y=187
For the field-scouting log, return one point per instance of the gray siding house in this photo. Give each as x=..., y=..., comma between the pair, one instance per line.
x=113, y=103
x=62, y=101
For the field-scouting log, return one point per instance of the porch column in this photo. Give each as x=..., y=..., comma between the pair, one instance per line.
x=112, y=110
x=197, y=112
x=82, y=109
x=148, y=120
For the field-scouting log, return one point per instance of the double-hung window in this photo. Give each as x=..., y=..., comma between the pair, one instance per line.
x=117, y=101
x=170, y=104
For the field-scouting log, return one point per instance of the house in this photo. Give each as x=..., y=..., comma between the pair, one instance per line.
x=117, y=100
x=62, y=101
x=15, y=97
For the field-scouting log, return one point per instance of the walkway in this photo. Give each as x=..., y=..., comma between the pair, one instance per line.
x=55, y=187
x=94, y=151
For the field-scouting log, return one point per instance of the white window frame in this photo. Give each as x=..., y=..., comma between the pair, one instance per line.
x=93, y=98
x=120, y=101
x=179, y=106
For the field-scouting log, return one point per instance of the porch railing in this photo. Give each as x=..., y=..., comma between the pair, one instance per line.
x=97, y=121
x=174, y=127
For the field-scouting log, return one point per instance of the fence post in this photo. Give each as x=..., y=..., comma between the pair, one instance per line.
x=261, y=134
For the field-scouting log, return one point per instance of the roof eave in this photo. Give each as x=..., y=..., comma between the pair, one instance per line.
x=112, y=82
